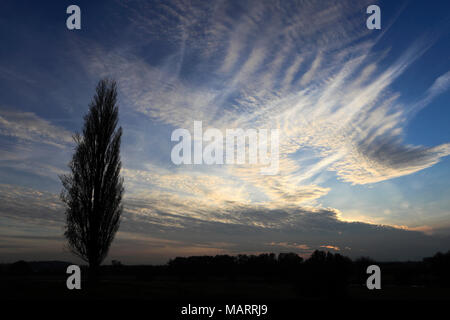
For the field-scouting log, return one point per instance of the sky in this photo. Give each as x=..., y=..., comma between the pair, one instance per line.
x=362, y=115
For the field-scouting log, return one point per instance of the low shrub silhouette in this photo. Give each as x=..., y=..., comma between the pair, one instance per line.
x=20, y=268
x=439, y=266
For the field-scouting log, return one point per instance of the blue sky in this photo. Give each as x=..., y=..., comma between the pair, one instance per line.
x=363, y=119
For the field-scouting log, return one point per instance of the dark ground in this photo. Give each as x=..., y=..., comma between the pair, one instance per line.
x=324, y=276
x=212, y=289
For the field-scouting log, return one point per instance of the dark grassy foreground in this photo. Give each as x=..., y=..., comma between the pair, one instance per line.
x=224, y=278
x=212, y=289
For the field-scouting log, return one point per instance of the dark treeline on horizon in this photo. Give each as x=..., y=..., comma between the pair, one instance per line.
x=321, y=269
x=321, y=272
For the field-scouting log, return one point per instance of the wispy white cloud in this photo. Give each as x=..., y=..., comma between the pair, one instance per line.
x=30, y=127
x=311, y=72
x=27, y=143
x=439, y=86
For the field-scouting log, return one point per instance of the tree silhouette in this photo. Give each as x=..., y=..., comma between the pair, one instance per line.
x=92, y=191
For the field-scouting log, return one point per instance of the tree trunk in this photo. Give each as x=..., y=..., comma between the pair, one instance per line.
x=93, y=274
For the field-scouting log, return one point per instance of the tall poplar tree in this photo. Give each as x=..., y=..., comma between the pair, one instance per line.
x=92, y=191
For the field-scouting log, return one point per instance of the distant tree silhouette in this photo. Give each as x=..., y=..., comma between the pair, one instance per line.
x=20, y=268
x=439, y=266
x=325, y=274
x=289, y=264
x=92, y=191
